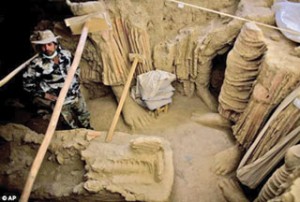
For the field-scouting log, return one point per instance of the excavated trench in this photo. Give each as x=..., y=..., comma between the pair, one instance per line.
x=15, y=106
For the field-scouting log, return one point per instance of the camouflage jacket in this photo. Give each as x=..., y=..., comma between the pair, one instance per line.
x=44, y=76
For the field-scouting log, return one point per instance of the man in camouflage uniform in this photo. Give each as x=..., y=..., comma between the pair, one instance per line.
x=45, y=77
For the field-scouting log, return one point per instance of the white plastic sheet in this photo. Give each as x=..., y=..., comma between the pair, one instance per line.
x=287, y=16
x=153, y=89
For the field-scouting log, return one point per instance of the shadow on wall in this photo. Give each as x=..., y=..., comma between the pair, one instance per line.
x=217, y=74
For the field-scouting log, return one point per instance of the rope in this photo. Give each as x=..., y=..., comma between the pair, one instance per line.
x=233, y=16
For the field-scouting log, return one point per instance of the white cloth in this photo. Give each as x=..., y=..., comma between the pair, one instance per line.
x=287, y=16
x=154, y=89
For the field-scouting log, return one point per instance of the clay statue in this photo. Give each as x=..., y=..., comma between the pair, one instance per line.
x=111, y=57
x=281, y=186
x=248, y=99
x=81, y=166
x=279, y=181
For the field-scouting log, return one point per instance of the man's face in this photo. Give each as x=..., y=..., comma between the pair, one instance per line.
x=49, y=48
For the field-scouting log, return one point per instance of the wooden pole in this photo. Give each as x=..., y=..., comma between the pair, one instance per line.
x=54, y=118
x=234, y=16
x=17, y=70
x=122, y=100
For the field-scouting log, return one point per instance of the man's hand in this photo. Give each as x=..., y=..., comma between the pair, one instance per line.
x=51, y=97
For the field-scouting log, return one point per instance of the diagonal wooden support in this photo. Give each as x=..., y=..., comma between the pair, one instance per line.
x=91, y=23
x=136, y=58
x=16, y=71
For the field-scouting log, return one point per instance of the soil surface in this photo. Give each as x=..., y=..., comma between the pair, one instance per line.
x=194, y=145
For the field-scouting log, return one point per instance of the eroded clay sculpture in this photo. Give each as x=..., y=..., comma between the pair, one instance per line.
x=80, y=165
